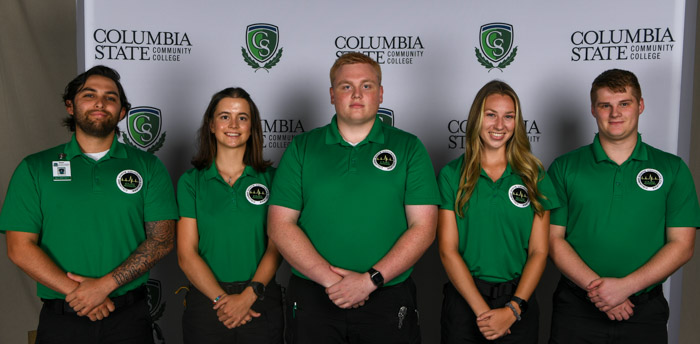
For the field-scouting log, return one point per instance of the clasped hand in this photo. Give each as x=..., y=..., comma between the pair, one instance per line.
x=89, y=298
x=352, y=290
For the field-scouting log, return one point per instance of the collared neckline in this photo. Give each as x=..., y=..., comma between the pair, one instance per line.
x=639, y=152
x=212, y=173
x=116, y=150
x=507, y=172
x=376, y=134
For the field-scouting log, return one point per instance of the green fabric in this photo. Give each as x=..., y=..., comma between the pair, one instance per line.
x=494, y=233
x=613, y=224
x=87, y=225
x=231, y=225
x=353, y=211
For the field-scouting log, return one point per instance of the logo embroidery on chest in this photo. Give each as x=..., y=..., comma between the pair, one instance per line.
x=384, y=160
x=129, y=181
x=650, y=179
x=257, y=194
x=518, y=196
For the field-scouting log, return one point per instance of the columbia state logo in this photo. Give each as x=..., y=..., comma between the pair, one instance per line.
x=144, y=127
x=650, y=179
x=129, y=181
x=257, y=194
x=262, y=42
x=384, y=160
x=518, y=196
x=496, y=43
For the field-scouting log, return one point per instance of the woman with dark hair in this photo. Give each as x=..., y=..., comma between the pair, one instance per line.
x=222, y=244
x=493, y=226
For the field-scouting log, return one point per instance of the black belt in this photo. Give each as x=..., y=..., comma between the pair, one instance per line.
x=60, y=306
x=234, y=287
x=495, y=290
x=635, y=299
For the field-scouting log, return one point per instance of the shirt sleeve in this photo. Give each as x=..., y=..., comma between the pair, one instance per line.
x=549, y=199
x=286, y=185
x=186, y=195
x=682, y=208
x=448, y=188
x=421, y=186
x=21, y=211
x=558, y=216
x=160, y=200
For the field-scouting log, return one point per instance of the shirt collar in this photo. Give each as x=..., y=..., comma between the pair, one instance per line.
x=639, y=152
x=116, y=150
x=375, y=135
x=508, y=171
x=212, y=173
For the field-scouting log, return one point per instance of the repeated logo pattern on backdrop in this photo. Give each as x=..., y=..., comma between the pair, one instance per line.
x=495, y=43
x=143, y=129
x=156, y=307
x=262, y=41
x=621, y=44
x=396, y=50
x=434, y=58
x=141, y=45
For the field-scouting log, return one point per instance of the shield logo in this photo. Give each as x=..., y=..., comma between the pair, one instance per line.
x=144, y=125
x=154, y=295
x=261, y=41
x=496, y=40
x=386, y=116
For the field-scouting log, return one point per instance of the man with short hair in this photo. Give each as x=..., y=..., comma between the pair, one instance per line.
x=353, y=207
x=88, y=219
x=627, y=222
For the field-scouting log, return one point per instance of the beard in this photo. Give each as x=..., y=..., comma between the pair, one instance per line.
x=96, y=128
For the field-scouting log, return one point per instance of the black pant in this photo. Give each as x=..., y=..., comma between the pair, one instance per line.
x=200, y=324
x=129, y=323
x=458, y=321
x=389, y=316
x=575, y=319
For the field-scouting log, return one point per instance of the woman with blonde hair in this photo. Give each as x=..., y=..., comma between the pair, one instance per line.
x=493, y=226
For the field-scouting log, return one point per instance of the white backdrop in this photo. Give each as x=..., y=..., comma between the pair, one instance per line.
x=173, y=55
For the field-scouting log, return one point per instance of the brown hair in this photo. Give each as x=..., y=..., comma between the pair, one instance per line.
x=206, y=150
x=617, y=80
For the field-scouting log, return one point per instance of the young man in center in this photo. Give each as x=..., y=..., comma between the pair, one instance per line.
x=353, y=208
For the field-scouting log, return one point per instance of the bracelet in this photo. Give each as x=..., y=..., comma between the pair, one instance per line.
x=218, y=298
x=515, y=312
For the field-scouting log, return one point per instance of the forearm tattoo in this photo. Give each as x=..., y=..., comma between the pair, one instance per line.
x=160, y=236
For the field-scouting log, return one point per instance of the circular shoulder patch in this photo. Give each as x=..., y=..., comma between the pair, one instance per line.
x=650, y=179
x=518, y=196
x=129, y=181
x=257, y=194
x=384, y=160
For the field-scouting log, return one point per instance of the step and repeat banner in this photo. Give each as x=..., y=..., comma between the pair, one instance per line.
x=173, y=55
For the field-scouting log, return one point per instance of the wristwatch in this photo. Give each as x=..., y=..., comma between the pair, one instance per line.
x=521, y=303
x=376, y=277
x=258, y=289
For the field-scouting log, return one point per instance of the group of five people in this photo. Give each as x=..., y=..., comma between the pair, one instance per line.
x=352, y=206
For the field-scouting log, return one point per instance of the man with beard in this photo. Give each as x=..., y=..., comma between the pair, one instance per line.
x=88, y=219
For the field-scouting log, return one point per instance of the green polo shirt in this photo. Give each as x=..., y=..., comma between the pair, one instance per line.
x=231, y=220
x=91, y=218
x=352, y=199
x=494, y=233
x=616, y=215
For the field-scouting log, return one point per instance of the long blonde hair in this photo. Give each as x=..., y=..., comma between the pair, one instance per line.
x=522, y=161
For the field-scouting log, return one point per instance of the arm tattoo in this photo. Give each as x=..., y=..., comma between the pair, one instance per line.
x=159, y=241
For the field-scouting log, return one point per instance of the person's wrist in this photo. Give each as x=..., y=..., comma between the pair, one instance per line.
x=509, y=305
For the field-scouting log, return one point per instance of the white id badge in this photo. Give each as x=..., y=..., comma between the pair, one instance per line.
x=61, y=171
